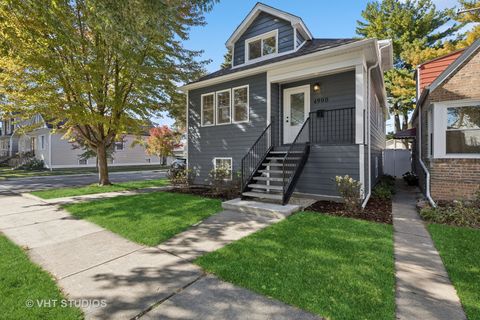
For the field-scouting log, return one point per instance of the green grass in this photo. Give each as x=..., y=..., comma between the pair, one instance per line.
x=95, y=188
x=338, y=268
x=458, y=248
x=21, y=280
x=148, y=218
x=8, y=173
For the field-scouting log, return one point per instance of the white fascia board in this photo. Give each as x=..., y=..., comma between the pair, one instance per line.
x=272, y=66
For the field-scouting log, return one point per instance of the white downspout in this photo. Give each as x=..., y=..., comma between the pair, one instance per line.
x=424, y=167
x=369, y=75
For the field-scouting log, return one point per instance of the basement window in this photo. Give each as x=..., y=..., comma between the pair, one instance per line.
x=223, y=163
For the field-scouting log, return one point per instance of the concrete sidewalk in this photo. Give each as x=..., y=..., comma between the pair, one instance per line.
x=423, y=289
x=92, y=263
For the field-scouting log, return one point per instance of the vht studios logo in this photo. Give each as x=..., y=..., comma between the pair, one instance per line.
x=64, y=303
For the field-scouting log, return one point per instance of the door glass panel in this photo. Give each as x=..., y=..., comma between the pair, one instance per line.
x=297, y=109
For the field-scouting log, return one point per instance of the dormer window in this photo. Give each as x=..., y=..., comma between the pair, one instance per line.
x=263, y=45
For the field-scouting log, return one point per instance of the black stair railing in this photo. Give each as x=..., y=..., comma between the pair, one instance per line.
x=335, y=126
x=255, y=156
x=294, y=160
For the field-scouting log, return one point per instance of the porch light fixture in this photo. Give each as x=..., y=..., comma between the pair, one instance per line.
x=316, y=87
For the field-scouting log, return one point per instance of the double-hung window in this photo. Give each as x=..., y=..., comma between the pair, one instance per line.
x=463, y=130
x=208, y=109
x=262, y=45
x=240, y=104
x=224, y=113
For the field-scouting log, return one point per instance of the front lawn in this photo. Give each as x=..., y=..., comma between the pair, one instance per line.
x=147, y=218
x=458, y=248
x=95, y=188
x=23, y=283
x=338, y=268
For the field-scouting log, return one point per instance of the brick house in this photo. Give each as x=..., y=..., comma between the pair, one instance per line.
x=447, y=122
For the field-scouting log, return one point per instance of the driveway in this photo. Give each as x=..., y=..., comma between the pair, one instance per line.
x=47, y=182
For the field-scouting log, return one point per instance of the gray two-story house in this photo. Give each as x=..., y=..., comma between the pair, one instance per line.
x=292, y=111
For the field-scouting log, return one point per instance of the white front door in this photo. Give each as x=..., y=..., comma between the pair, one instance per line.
x=296, y=106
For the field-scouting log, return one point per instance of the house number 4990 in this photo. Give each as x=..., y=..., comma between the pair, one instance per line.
x=320, y=100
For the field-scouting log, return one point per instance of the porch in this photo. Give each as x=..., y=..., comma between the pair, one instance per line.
x=310, y=139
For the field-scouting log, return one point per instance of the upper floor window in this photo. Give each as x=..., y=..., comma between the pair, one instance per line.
x=463, y=130
x=240, y=104
x=223, y=107
x=119, y=145
x=208, y=109
x=262, y=45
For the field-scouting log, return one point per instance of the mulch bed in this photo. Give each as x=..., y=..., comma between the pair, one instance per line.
x=377, y=210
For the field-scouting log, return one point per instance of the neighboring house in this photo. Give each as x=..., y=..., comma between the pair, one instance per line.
x=447, y=122
x=395, y=144
x=292, y=111
x=8, y=141
x=57, y=152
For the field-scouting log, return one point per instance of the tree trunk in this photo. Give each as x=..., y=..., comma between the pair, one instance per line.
x=398, y=128
x=103, y=179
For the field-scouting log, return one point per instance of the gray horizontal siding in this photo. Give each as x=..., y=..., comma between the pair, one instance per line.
x=324, y=163
x=377, y=136
x=231, y=140
x=262, y=24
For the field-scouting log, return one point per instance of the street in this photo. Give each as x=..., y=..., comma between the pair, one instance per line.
x=37, y=183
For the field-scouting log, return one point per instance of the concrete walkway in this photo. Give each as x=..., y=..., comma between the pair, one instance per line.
x=91, y=263
x=423, y=289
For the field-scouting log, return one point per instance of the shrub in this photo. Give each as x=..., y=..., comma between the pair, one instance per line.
x=382, y=191
x=224, y=183
x=410, y=178
x=32, y=164
x=385, y=187
x=459, y=214
x=180, y=177
x=350, y=190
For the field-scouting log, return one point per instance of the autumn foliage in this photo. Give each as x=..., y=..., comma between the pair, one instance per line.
x=162, y=141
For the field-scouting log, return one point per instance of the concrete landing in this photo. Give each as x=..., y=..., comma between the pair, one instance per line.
x=423, y=289
x=261, y=208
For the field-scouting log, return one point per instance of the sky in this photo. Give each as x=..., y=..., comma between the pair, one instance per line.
x=324, y=18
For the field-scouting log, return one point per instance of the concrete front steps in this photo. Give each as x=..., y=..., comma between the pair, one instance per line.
x=258, y=208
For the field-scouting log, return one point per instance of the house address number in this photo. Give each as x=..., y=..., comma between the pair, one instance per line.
x=320, y=100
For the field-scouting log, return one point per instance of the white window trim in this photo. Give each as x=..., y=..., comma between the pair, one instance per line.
x=40, y=139
x=439, y=113
x=233, y=104
x=214, y=109
x=224, y=158
x=261, y=37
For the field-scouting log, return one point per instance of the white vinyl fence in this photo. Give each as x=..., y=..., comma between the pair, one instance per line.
x=397, y=161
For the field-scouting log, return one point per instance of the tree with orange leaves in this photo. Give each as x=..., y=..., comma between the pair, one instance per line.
x=162, y=141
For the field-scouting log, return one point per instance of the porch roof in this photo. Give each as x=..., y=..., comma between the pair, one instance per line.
x=406, y=134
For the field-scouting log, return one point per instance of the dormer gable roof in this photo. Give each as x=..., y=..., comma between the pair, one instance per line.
x=296, y=22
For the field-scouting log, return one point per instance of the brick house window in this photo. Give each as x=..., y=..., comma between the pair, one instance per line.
x=463, y=130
